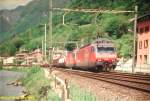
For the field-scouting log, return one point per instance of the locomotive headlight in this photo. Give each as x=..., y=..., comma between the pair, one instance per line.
x=98, y=60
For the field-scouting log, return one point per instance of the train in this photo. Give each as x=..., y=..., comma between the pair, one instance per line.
x=100, y=55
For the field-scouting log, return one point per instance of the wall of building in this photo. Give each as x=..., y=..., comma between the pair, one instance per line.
x=143, y=43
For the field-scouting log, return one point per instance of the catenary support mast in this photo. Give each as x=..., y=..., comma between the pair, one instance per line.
x=50, y=31
x=135, y=37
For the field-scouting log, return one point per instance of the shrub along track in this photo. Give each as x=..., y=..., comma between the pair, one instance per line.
x=134, y=81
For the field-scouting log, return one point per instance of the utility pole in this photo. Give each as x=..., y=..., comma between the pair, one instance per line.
x=135, y=39
x=42, y=48
x=50, y=31
x=97, y=26
x=45, y=44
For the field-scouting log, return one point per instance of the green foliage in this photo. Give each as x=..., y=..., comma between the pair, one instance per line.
x=78, y=18
x=74, y=36
x=143, y=6
x=105, y=4
x=18, y=42
x=114, y=25
x=125, y=45
x=7, y=48
x=32, y=44
x=52, y=96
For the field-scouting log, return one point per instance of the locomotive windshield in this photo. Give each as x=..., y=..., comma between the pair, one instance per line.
x=105, y=49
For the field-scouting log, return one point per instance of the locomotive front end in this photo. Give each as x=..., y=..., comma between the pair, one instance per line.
x=106, y=56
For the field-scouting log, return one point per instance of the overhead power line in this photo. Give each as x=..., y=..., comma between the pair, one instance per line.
x=92, y=10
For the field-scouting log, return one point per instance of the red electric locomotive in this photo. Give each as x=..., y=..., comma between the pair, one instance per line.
x=99, y=55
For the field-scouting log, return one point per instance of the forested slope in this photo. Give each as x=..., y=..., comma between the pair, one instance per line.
x=79, y=27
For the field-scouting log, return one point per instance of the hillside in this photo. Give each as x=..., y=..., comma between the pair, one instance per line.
x=27, y=31
x=7, y=20
x=22, y=18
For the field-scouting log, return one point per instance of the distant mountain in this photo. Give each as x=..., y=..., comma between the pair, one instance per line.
x=8, y=18
x=24, y=17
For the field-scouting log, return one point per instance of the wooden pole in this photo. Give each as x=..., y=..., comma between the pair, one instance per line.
x=135, y=37
x=67, y=89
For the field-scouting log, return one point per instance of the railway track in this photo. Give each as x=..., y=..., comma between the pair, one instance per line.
x=134, y=81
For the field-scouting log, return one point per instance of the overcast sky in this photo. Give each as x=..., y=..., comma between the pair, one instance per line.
x=11, y=4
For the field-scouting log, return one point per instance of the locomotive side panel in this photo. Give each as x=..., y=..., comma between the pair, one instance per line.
x=85, y=58
x=79, y=58
x=92, y=57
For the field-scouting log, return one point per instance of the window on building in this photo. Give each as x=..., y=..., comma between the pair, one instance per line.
x=137, y=30
x=141, y=30
x=140, y=57
x=140, y=45
x=145, y=43
x=146, y=28
x=145, y=59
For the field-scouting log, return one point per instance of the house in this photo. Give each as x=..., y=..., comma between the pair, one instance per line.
x=34, y=57
x=21, y=57
x=143, y=41
x=9, y=61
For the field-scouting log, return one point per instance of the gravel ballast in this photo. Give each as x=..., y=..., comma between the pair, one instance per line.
x=105, y=91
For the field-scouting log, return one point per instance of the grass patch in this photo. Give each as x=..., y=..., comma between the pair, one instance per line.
x=78, y=94
x=35, y=82
x=53, y=96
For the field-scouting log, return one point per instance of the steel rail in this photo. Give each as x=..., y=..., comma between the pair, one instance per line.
x=141, y=85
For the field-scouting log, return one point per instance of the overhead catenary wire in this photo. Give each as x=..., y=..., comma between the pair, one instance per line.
x=92, y=10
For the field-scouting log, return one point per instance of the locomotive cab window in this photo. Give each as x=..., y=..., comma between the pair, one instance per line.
x=105, y=49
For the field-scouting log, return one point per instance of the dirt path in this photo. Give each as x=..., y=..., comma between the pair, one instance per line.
x=10, y=90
